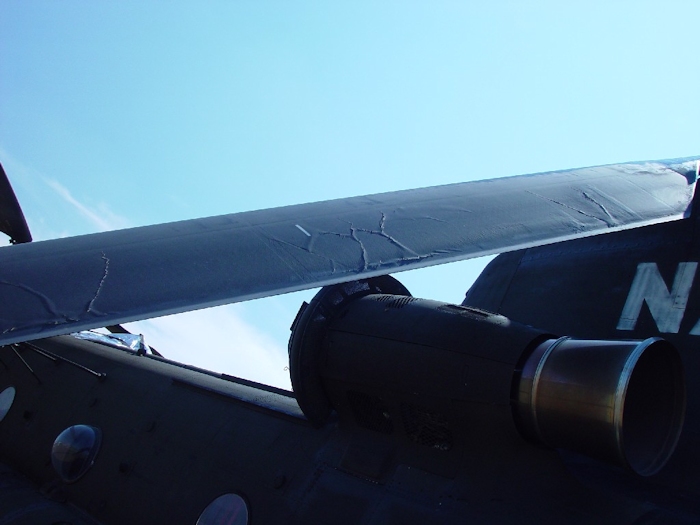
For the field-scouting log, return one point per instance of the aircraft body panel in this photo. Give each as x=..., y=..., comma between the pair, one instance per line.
x=588, y=288
x=173, y=439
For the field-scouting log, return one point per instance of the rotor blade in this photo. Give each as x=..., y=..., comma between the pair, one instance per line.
x=12, y=221
x=64, y=285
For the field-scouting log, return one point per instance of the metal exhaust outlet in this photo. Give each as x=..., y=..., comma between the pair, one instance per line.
x=619, y=401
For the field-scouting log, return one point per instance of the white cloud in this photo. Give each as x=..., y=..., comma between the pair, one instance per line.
x=103, y=219
x=219, y=340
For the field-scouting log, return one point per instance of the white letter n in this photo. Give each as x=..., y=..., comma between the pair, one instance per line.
x=666, y=308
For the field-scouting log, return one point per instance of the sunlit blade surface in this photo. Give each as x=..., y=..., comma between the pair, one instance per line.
x=64, y=285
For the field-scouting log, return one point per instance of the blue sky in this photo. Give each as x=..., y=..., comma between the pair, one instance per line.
x=123, y=114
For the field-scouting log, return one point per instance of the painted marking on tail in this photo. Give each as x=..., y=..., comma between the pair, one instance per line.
x=666, y=307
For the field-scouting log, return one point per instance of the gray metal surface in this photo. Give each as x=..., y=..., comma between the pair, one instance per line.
x=65, y=285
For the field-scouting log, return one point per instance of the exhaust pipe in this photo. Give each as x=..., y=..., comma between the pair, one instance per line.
x=619, y=401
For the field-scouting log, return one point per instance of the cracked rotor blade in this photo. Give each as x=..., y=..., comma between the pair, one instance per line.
x=65, y=285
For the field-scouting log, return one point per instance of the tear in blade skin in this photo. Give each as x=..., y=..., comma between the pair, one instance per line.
x=62, y=286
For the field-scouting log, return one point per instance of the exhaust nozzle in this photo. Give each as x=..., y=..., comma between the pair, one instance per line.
x=620, y=401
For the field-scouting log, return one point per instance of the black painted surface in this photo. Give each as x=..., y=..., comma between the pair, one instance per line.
x=12, y=221
x=174, y=439
x=579, y=288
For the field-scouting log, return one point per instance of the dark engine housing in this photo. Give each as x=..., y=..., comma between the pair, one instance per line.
x=443, y=373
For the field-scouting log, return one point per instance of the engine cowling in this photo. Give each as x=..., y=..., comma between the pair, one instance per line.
x=391, y=362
